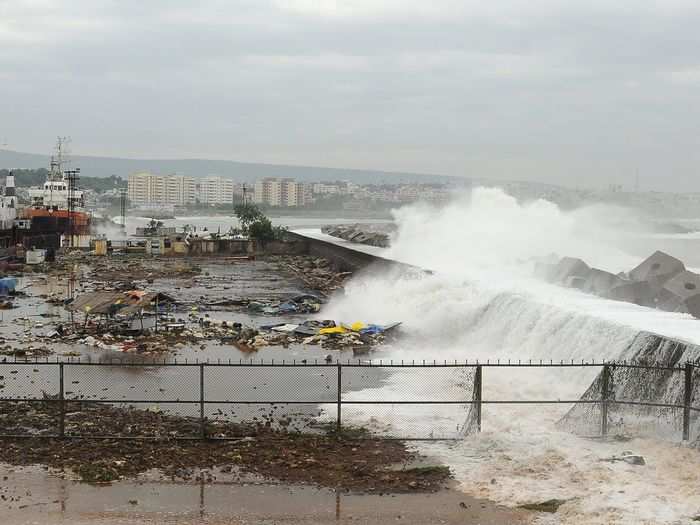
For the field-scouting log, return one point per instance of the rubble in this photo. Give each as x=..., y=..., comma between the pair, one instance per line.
x=300, y=304
x=116, y=299
x=629, y=458
x=331, y=335
x=315, y=272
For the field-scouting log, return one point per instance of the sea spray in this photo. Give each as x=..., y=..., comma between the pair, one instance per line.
x=482, y=304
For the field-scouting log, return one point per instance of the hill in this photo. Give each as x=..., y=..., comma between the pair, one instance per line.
x=241, y=171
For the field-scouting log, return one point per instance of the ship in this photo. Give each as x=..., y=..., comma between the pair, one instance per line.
x=18, y=234
x=59, y=205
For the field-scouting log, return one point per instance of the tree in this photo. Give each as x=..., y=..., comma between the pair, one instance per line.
x=256, y=225
x=261, y=230
x=248, y=214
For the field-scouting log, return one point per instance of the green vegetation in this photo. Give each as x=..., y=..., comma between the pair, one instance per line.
x=97, y=473
x=27, y=178
x=551, y=505
x=256, y=225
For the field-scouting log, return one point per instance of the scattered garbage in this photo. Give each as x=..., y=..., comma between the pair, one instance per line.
x=7, y=286
x=329, y=334
x=628, y=457
x=300, y=304
x=117, y=306
x=315, y=272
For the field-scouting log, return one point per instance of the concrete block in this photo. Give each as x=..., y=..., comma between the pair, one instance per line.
x=676, y=290
x=600, y=282
x=637, y=292
x=657, y=269
x=570, y=267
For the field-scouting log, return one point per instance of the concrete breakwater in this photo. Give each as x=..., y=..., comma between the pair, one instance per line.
x=629, y=384
x=646, y=385
x=660, y=281
x=345, y=259
x=370, y=234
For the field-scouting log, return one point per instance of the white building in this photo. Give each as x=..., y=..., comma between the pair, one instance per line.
x=321, y=188
x=215, y=190
x=147, y=189
x=8, y=204
x=280, y=192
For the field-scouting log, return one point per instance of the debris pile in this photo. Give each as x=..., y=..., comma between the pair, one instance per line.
x=300, y=304
x=197, y=331
x=329, y=334
x=315, y=272
x=170, y=336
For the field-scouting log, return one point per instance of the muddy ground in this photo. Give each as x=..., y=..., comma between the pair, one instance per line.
x=31, y=495
x=316, y=477
x=352, y=461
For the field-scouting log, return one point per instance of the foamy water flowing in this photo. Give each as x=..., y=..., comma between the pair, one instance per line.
x=481, y=303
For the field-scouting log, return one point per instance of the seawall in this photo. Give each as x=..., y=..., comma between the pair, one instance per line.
x=346, y=259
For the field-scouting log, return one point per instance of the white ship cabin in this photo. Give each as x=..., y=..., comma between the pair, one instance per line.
x=54, y=194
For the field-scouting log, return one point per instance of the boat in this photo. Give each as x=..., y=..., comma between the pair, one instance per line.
x=59, y=205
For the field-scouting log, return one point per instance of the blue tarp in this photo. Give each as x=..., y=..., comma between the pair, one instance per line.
x=7, y=285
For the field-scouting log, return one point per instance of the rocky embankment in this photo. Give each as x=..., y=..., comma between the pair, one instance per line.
x=371, y=234
x=660, y=281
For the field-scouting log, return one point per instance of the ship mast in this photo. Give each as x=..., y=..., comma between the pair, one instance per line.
x=58, y=161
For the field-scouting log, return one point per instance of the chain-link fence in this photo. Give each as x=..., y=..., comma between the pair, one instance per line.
x=385, y=400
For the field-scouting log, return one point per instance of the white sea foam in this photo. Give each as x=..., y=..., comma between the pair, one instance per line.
x=482, y=304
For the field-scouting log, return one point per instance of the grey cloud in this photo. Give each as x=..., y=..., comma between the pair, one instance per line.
x=541, y=90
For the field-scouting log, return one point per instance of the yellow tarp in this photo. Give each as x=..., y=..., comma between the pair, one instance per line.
x=334, y=330
x=355, y=327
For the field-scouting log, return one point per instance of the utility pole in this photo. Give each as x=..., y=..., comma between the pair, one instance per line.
x=122, y=206
x=72, y=176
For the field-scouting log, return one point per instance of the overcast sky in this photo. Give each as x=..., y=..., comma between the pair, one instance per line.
x=585, y=93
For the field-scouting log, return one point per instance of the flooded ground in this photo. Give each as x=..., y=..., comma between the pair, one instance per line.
x=36, y=495
x=34, y=317
x=195, y=284
x=31, y=495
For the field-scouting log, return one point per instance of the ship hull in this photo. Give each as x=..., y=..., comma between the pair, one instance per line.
x=60, y=221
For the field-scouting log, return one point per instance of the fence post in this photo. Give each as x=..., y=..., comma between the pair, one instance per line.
x=687, y=398
x=340, y=399
x=202, y=420
x=477, y=396
x=605, y=394
x=61, y=403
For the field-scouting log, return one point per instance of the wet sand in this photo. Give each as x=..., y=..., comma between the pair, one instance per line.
x=34, y=496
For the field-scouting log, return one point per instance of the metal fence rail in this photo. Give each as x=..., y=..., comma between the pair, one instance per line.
x=224, y=400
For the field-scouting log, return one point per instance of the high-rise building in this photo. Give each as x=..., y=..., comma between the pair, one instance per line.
x=161, y=190
x=215, y=190
x=280, y=192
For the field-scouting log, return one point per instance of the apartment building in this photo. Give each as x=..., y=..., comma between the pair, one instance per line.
x=214, y=190
x=147, y=189
x=280, y=192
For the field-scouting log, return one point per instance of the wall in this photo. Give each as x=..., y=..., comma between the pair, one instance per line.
x=346, y=259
